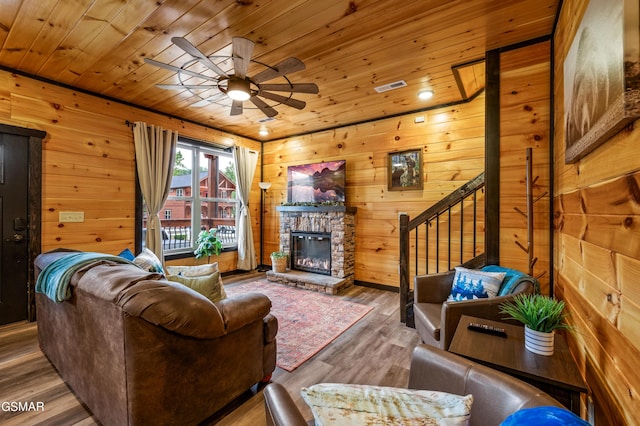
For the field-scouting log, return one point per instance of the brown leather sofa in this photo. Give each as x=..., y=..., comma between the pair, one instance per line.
x=140, y=350
x=496, y=395
x=436, y=319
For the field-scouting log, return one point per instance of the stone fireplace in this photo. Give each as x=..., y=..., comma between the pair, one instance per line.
x=320, y=242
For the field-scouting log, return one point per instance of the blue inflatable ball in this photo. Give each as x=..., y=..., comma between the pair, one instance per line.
x=544, y=416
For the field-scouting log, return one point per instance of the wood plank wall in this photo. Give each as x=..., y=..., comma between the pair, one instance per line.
x=597, y=255
x=452, y=141
x=88, y=158
x=525, y=123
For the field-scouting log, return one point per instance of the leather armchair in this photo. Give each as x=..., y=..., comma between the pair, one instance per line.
x=496, y=395
x=436, y=319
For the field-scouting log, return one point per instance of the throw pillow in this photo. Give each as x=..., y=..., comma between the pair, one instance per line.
x=193, y=271
x=344, y=404
x=469, y=284
x=127, y=254
x=209, y=286
x=197, y=271
x=148, y=261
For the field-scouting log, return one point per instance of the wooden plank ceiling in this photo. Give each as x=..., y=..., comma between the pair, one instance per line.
x=349, y=47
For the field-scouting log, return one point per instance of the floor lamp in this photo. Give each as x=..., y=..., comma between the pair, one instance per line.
x=263, y=186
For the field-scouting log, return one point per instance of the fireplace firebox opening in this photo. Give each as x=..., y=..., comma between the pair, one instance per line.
x=311, y=252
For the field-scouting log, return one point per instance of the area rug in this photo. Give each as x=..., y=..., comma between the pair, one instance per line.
x=307, y=321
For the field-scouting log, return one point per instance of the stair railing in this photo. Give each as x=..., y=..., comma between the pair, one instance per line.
x=426, y=248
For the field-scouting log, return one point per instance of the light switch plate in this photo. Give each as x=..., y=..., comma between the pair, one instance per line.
x=71, y=216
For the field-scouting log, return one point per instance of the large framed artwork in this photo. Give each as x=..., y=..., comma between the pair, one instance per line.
x=601, y=76
x=317, y=183
x=405, y=170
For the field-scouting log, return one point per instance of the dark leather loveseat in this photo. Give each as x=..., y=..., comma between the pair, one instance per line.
x=140, y=350
x=496, y=395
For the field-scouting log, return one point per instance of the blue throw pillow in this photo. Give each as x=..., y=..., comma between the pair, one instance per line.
x=127, y=254
x=469, y=284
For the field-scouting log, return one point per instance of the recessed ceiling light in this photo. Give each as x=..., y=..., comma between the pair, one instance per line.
x=425, y=94
x=263, y=132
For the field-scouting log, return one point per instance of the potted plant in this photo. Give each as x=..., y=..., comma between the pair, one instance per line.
x=541, y=316
x=208, y=244
x=279, y=261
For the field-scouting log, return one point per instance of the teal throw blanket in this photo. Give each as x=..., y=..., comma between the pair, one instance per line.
x=54, y=279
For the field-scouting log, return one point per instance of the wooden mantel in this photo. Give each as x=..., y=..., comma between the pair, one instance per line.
x=317, y=209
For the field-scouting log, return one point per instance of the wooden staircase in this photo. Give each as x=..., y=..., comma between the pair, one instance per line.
x=449, y=233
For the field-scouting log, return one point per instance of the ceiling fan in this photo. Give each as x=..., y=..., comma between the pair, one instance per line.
x=236, y=85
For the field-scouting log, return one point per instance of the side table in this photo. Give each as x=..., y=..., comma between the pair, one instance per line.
x=557, y=375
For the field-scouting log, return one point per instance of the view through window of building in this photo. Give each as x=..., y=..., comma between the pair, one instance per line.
x=204, y=181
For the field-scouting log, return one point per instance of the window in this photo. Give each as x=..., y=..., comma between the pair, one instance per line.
x=209, y=191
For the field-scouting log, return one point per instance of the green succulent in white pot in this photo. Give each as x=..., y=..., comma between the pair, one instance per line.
x=541, y=316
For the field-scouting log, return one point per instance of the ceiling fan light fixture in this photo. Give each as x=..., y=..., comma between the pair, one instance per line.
x=237, y=85
x=238, y=89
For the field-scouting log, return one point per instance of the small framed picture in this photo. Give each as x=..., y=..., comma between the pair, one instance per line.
x=405, y=170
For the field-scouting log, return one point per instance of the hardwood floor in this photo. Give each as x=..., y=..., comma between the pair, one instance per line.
x=376, y=350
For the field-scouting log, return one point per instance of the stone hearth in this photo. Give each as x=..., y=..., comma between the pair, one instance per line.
x=339, y=221
x=310, y=281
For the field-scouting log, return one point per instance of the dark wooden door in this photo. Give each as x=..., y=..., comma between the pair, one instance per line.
x=14, y=261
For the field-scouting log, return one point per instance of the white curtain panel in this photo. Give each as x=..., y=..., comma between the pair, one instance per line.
x=245, y=162
x=155, y=158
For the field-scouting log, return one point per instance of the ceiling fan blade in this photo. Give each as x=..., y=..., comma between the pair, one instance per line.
x=201, y=103
x=178, y=69
x=293, y=88
x=236, y=108
x=207, y=101
x=262, y=106
x=242, y=51
x=285, y=67
x=295, y=103
x=186, y=86
x=185, y=45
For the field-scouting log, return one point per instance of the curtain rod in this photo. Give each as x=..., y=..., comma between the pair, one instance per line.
x=199, y=141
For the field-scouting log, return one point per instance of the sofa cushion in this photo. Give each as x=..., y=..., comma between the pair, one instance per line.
x=469, y=284
x=210, y=286
x=107, y=280
x=429, y=317
x=361, y=404
x=148, y=261
x=173, y=307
